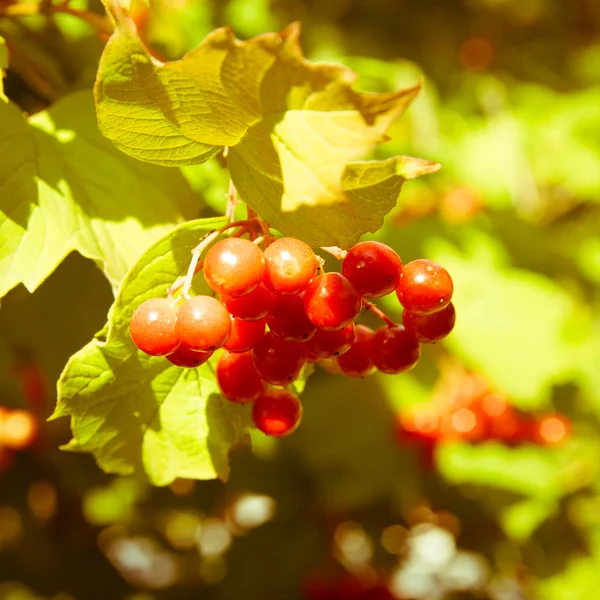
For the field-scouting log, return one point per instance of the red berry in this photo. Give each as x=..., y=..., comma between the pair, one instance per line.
x=234, y=266
x=372, y=268
x=152, y=327
x=394, y=350
x=425, y=287
x=251, y=307
x=552, y=429
x=203, y=323
x=244, y=335
x=508, y=427
x=331, y=302
x=277, y=412
x=237, y=377
x=464, y=423
x=428, y=329
x=277, y=360
x=357, y=362
x=291, y=266
x=288, y=320
x=184, y=357
x=325, y=344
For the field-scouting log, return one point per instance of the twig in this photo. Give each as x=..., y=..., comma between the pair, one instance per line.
x=27, y=9
x=377, y=311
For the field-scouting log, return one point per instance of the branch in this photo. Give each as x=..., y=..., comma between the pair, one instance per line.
x=27, y=9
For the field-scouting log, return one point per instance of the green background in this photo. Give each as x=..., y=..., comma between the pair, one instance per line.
x=511, y=109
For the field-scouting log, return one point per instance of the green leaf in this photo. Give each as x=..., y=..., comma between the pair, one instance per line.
x=250, y=17
x=347, y=436
x=140, y=414
x=63, y=187
x=579, y=581
x=521, y=519
x=77, y=295
x=526, y=470
x=523, y=330
x=184, y=111
x=371, y=190
x=293, y=128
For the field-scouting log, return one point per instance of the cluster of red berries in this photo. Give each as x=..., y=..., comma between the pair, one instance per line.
x=277, y=312
x=473, y=412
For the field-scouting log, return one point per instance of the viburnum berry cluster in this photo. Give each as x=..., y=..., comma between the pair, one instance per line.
x=470, y=410
x=276, y=310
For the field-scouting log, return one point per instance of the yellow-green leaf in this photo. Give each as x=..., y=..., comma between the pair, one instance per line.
x=63, y=187
x=294, y=129
x=371, y=189
x=141, y=415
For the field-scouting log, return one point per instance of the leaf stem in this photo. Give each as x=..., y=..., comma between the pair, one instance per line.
x=335, y=251
x=377, y=311
x=232, y=202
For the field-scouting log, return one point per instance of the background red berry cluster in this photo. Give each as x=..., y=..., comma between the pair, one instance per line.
x=469, y=409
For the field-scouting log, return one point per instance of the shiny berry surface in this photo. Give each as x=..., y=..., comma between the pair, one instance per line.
x=394, y=350
x=244, y=335
x=237, y=377
x=203, y=323
x=357, y=362
x=184, y=357
x=428, y=329
x=277, y=360
x=234, y=266
x=425, y=287
x=372, y=268
x=331, y=302
x=152, y=327
x=251, y=307
x=288, y=319
x=325, y=344
x=277, y=412
x=291, y=266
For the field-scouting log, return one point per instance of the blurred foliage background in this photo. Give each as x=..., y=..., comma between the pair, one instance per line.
x=352, y=506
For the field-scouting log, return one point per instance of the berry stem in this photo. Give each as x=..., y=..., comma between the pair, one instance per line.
x=232, y=202
x=252, y=215
x=335, y=251
x=185, y=283
x=192, y=269
x=377, y=311
x=268, y=237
